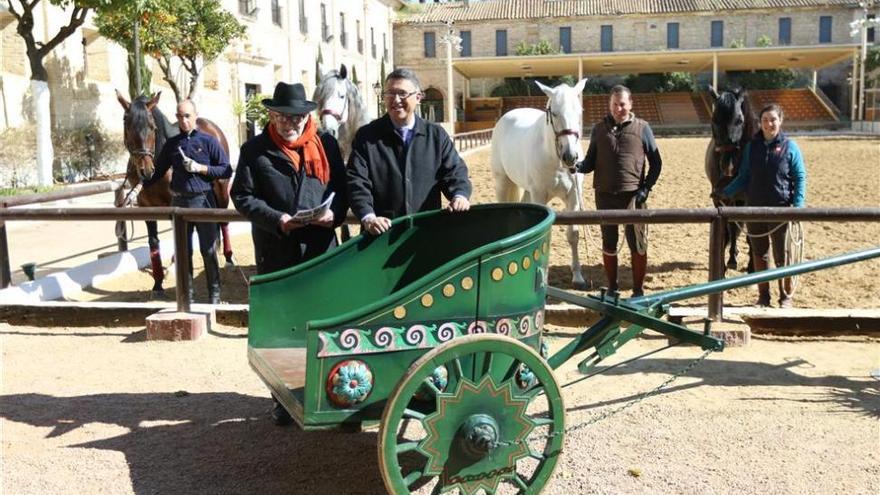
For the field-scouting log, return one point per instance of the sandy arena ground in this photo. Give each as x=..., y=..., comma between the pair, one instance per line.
x=842, y=172
x=100, y=410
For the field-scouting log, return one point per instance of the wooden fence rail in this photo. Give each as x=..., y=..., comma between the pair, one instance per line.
x=717, y=218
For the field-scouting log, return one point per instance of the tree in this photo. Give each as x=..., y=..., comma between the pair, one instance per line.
x=193, y=32
x=23, y=11
x=764, y=79
x=118, y=25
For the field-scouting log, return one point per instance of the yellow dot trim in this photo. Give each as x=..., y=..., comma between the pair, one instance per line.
x=449, y=289
x=544, y=247
x=512, y=268
x=526, y=262
x=400, y=312
x=536, y=255
x=467, y=283
x=497, y=274
x=427, y=300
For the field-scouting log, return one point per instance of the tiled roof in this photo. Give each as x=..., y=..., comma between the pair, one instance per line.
x=537, y=9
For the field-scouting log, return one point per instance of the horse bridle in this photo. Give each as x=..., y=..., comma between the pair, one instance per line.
x=559, y=134
x=336, y=115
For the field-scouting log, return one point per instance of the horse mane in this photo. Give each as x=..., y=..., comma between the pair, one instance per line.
x=750, y=122
x=164, y=129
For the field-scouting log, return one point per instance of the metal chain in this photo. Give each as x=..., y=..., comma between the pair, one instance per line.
x=613, y=412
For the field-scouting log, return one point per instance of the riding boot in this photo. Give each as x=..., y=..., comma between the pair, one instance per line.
x=639, y=267
x=212, y=275
x=763, y=287
x=609, y=261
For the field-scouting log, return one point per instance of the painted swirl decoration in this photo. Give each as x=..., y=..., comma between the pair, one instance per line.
x=503, y=326
x=446, y=332
x=350, y=339
x=525, y=325
x=384, y=337
x=415, y=335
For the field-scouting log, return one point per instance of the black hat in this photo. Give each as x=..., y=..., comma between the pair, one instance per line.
x=290, y=99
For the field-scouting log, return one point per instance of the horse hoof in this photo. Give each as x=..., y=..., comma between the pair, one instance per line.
x=158, y=295
x=579, y=285
x=731, y=265
x=230, y=264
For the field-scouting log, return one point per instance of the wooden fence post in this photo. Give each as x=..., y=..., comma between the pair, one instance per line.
x=5, y=272
x=717, y=231
x=181, y=263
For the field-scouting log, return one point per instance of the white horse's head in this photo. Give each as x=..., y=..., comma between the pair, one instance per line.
x=333, y=98
x=565, y=117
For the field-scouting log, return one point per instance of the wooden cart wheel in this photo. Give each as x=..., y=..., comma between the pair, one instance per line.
x=473, y=415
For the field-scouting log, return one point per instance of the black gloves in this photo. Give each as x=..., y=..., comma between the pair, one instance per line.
x=642, y=195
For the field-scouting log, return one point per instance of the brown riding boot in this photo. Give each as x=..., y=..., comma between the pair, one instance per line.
x=609, y=261
x=639, y=268
x=763, y=287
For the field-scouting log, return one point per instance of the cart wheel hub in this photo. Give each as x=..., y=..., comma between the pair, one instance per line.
x=479, y=435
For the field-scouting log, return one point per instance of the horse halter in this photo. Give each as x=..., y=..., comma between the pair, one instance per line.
x=559, y=134
x=336, y=115
x=563, y=132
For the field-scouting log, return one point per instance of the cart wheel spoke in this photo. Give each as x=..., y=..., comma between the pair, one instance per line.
x=488, y=427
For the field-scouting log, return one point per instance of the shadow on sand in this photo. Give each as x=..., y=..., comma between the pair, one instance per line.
x=209, y=443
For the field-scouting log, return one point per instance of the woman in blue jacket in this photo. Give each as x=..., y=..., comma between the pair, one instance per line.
x=772, y=173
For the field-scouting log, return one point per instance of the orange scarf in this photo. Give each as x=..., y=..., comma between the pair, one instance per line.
x=317, y=164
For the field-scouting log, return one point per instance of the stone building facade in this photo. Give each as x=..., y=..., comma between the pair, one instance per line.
x=283, y=40
x=585, y=26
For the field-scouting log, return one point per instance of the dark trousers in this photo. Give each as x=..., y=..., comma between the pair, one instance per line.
x=635, y=234
x=761, y=242
x=208, y=235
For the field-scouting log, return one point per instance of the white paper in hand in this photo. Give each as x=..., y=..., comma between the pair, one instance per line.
x=315, y=213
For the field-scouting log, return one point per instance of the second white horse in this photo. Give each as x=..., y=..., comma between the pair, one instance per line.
x=533, y=152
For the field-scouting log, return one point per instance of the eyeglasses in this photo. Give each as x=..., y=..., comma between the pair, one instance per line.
x=393, y=95
x=289, y=118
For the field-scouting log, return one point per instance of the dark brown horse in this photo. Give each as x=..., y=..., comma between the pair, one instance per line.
x=146, y=130
x=733, y=125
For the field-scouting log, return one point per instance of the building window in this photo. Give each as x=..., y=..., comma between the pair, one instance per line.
x=501, y=43
x=276, y=13
x=565, y=39
x=465, y=43
x=785, y=30
x=825, y=29
x=717, y=39
x=385, y=46
x=607, y=38
x=373, y=42
x=247, y=8
x=303, y=21
x=360, y=39
x=871, y=30
x=343, y=36
x=671, y=35
x=325, y=28
x=430, y=44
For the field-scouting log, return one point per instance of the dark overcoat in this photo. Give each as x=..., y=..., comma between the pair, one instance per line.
x=266, y=186
x=390, y=179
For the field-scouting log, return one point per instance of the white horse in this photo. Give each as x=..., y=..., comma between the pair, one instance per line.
x=341, y=108
x=533, y=152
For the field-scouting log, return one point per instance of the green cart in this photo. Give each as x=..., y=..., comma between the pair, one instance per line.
x=433, y=330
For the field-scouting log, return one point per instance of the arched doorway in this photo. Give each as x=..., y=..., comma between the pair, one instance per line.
x=432, y=105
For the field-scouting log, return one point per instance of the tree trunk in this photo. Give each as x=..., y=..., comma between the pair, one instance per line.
x=45, y=153
x=165, y=65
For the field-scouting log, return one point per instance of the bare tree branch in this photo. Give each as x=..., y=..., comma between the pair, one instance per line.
x=77, y=18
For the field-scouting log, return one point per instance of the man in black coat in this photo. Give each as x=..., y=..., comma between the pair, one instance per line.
x=287, y=168
x=400, y=163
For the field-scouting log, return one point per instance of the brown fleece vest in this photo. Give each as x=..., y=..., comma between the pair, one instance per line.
x=620, y=161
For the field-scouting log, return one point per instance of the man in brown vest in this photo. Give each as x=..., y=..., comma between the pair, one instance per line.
x=619, y=145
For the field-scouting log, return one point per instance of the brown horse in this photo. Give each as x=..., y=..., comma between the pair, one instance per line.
x=146, y=130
